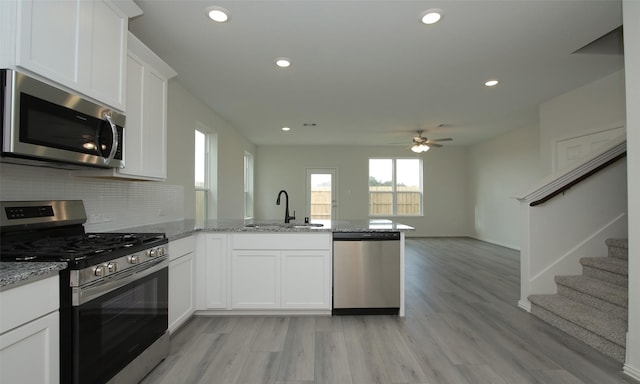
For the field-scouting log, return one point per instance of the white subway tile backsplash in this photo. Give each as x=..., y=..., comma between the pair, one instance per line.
x=110, y=204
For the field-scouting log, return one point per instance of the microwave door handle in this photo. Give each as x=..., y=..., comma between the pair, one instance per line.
x=114, y=134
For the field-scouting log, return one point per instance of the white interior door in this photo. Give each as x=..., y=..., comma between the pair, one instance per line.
x=321, y=193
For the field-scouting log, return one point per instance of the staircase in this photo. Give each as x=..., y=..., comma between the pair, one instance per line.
x=593, y=306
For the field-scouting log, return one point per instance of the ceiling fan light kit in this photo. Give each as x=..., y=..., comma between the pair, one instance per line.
x=423, y=144
x=419, y=148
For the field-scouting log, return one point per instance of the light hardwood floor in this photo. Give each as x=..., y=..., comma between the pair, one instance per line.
x=462, y=325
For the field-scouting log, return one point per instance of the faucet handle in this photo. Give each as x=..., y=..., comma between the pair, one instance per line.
x=294, y=215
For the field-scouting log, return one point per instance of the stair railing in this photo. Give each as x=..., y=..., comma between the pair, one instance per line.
x=557, y=232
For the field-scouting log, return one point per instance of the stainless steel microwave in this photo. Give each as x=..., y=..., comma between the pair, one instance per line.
x=41, y=122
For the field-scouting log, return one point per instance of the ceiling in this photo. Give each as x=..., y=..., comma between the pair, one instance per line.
x=369, y=73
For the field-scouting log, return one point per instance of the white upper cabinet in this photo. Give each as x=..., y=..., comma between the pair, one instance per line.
x=79, y=44
x=145, y=131
x=145, y=142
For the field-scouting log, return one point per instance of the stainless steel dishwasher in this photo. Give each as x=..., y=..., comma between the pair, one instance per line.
x=366, y=273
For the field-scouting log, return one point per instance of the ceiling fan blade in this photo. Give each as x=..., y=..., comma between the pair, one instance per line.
x=445, y=139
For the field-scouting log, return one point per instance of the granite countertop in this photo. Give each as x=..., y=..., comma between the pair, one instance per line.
x=183, y=228
x=13, y=274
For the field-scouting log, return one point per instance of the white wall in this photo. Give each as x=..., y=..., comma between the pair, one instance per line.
x=446, y=210
x=631, y=18
x=596, y=106
x=499, y=169
x=184, y=112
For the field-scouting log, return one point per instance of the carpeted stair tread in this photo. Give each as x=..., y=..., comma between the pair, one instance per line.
x=600, y=323
x=618, y=248
x=608, y=292
x=620, y=243
x=609, y=264
x=601, y=344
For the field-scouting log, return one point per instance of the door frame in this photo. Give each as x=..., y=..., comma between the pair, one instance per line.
x=334, y=188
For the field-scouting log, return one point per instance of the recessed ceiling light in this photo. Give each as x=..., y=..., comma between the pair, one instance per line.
x=431, y=16
x=491, y=83
x=218, y=14
x=283, y=62
x=286, y=129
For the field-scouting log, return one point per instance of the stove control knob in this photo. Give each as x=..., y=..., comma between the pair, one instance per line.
x=152, y=253
x=134, y=259
x=112, y=267
x=99, y=270
x=161, y=251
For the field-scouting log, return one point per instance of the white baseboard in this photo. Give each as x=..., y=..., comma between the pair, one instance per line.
x=258, y=312
x=632, y=372
x=525, y=304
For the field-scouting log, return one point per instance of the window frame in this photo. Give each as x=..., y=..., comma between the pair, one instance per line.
x=394, y=188
x=206, y=187
x=248, y=185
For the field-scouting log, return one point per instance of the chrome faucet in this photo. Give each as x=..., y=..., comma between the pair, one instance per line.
x=287, y=218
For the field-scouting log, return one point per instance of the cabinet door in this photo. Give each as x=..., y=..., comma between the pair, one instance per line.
x=79, y=44
x=134, y=132
x=106, y=54
x=306, y=279
x=48, y=35
x=146, y=130
x=30, y=353
x=255, y=279
x=154, y=153
x=181, y=291
x=213, y=261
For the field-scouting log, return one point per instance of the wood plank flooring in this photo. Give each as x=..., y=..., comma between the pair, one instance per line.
x=462, y=326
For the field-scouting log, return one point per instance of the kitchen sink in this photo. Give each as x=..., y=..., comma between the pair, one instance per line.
x=308, y=225
x=283, y=225
x=266, y=225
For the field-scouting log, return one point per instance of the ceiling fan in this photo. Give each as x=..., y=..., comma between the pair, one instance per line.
x=422, y=144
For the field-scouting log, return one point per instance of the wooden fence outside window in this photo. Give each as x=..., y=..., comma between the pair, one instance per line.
x=380, y=202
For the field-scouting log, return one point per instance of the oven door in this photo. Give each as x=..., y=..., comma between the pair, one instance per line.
x=113, y=328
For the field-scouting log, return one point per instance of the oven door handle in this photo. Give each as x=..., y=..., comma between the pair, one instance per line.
x=82, y=295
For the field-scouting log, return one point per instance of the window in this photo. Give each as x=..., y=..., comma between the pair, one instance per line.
x=248, y=185
x=201, y=177
x=395, y=187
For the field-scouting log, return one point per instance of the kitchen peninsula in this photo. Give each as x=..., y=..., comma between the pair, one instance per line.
x=257, y=267
x=242, y=267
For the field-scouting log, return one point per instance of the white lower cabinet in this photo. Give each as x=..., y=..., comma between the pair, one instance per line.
x=255, y=277
x=305, y=279
x=181, y=282
x=263, y=272
x=212, y=272
x=283, y=271
x=30, y=333
x=29, y=354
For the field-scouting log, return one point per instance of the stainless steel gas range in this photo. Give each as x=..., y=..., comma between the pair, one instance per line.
x=113, y=295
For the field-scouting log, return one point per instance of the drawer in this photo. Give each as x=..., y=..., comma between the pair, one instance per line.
x=27, y=302
x=181, y=247
x=281, y=241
